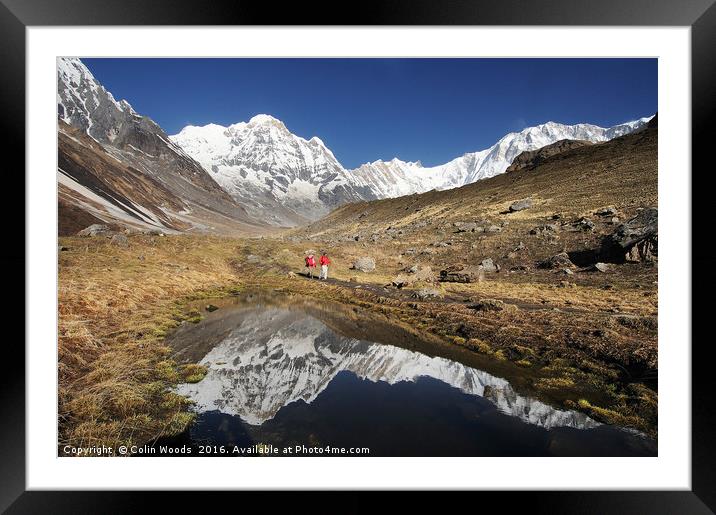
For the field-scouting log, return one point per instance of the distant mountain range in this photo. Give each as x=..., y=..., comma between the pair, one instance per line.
x=237, y=178
x=261, y=162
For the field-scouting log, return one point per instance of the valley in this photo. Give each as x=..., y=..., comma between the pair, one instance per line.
x=584, y=340
x=532, y=263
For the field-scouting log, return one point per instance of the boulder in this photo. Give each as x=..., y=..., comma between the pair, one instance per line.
x=253, y=258
x=584, y=224
x=426, y=293
x=520, y=205
x=465, y=226
x=120, y=240
x=560, y=260
x=606, y=211
x=487, y=305
x=364, y=264
x=95, y=230
x=489, y=266
x=425, y=274
x=600, y=267
x=211, y=307
x=400, y=281
x=468, y=274
x=635, y=240
x=542, y=230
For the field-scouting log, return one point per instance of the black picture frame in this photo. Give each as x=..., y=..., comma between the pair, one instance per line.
x=700, y=15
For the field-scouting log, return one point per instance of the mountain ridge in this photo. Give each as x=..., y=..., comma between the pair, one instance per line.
x=106, y=142
x=262, y=156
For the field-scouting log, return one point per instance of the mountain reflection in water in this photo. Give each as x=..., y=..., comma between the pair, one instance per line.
x=280, y=374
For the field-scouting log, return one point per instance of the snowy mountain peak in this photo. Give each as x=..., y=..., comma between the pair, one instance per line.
x=276, y=174
x=80, y=97
x=266, y=119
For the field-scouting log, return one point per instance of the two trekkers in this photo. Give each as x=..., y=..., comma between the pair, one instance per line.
x=323, y=261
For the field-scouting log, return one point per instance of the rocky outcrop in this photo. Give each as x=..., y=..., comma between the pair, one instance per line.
x=531, y=159
x=487, y=305
x=463, y=274
x=560, y=260
x=520, y=205
x=95, y=230
x=635, y=240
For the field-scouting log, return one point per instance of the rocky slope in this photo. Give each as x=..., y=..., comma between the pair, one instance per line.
x=564, y=192
x=120, y=167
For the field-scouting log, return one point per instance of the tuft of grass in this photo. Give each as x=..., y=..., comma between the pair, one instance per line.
x=555, y=383
x=192, y=373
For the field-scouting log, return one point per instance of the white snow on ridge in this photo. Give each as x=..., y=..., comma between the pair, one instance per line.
x=80, y=94
x=262, y=155
x=106, y=210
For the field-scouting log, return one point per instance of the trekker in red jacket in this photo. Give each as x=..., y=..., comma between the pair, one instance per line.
x=324, y=262
x=310, y=264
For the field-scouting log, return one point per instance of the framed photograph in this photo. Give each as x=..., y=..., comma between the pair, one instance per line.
x=412, y=249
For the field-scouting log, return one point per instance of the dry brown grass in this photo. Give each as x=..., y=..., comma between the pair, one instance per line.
x=115, y=305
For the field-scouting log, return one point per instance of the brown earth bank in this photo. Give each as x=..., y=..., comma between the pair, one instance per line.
x=584, y=339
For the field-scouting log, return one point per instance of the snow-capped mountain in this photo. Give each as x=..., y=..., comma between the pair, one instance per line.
x=396, y=178
x=277, y=175
x=261, y=163
x=120, y=167
x=272, y=357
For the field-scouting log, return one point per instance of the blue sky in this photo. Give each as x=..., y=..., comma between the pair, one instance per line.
x=431, y=110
